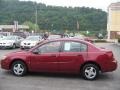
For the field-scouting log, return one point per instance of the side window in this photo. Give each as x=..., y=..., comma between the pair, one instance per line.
x=49, y=47
x=83, y=47
x=71, y=47
x=74, y=47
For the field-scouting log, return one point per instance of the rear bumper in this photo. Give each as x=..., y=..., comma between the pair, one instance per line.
x=111, y=66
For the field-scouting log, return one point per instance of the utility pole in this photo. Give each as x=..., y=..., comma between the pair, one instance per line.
x=78, y=26
x=36, y=16
x=15, y=26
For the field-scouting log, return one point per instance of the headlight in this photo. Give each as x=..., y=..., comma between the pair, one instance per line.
x=22, y=43
x=3, y=57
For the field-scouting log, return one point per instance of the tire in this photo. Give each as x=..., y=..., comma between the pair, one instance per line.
x=14, y=46
x=19, y=68
x=21, y=48
x=90, y=71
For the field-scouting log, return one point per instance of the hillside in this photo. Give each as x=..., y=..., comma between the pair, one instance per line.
x=52, y=17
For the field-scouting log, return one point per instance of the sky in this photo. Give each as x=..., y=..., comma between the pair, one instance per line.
x=99, y=4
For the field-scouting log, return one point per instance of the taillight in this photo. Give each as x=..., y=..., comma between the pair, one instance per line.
x=110, y=55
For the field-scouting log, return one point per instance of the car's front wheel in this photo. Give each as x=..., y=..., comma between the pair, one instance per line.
x=18, y=68
x=90, y=71
x=14, y=46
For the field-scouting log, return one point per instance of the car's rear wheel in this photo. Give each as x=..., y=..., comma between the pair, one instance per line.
x=18, y=68
x=90, y=71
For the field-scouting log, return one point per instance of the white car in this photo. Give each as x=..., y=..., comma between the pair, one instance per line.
x=30, y=42
x=1, y=37
x=10, y=42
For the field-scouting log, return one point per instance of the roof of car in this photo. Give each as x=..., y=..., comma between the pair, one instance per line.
x=62, y=39
x=67, y=39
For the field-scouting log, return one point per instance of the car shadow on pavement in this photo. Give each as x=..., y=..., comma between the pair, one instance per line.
x=53, y=75
x=102, y=77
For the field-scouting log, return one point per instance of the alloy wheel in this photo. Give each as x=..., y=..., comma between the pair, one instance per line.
x=90, y=71
x=18, y=69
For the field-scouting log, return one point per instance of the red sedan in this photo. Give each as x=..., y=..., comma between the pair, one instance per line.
x=72, y=56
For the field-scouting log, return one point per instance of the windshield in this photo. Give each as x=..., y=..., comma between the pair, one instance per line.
x=33, y=38
x=10, y=38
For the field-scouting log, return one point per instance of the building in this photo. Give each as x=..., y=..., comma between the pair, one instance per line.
x=11, y=28
x=113, y=25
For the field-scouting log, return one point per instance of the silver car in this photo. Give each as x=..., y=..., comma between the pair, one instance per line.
x=10, y=42
x=30, y=42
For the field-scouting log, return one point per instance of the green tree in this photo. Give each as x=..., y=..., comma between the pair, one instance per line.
x=53, y=18
x=31, y=25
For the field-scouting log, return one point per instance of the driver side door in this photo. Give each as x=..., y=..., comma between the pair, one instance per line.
x=46, y=58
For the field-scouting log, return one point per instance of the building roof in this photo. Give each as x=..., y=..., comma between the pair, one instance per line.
x=12, y=27
x=114, y=6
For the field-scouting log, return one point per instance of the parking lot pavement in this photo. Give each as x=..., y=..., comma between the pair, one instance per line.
x=38, y=81
x=6, y=51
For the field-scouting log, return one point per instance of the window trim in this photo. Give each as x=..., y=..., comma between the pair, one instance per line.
x=87, y=47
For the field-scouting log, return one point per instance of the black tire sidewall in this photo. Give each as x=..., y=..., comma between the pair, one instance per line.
x=14, y=46
x=90, y=65
x=19, y=62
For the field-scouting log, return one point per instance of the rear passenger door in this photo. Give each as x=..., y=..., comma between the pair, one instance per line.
x=72, y=55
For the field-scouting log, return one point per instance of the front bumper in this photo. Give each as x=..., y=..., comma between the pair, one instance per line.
x=26, y=47
x=5, y=46
x=4, y=64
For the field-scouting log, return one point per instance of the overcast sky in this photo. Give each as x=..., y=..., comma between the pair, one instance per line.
x=101, y=4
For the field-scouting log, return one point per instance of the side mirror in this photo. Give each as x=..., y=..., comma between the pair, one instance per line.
x=35, y=52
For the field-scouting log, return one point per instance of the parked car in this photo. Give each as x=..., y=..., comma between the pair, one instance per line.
x=10, y=42
x=82, y=37
x=54, y=37
x=5, y=33
x=30, y=42
x=71, y=56
x=21, y=34
x=1, y=37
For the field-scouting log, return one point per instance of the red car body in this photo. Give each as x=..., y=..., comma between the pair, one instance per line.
x=88, y=39
x=63, y=62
